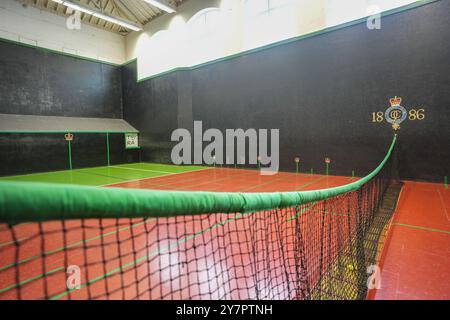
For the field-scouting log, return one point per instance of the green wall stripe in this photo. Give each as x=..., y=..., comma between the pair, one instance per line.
x=129, y=62
x=65, y=131
x=52, y=51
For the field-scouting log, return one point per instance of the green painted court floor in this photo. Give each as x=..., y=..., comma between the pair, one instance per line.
x=99, y=176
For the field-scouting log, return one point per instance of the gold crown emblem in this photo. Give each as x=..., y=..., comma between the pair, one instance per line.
x=395, y=101
x=68, y=137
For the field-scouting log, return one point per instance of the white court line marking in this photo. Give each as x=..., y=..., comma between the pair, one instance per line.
x=169, y=174
x=146, y=170
x=443, y=204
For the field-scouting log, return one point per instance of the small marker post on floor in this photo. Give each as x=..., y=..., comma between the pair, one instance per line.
x=312, y=171
x=69, y=137
x=259, y=162
x=353, y=173
x=446, y=182
x=327, y=165
x=107, y=149
x=70, y=155
x=297, y=164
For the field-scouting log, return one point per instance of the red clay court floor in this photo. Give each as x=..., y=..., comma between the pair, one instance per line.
x=47, y=279
x=415, y=262
x=236, y=180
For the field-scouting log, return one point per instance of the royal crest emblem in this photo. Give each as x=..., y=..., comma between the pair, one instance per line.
x=395, y=114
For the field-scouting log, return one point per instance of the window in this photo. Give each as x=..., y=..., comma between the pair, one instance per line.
x=278, y=4
x=206, y=35
x=268, y=21
x=206, y=22
x=254, y=8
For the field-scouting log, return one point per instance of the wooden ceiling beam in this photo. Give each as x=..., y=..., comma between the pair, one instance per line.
x=125, y=11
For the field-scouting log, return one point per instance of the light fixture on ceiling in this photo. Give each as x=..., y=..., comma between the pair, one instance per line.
x=161, y=5
x=82, y=8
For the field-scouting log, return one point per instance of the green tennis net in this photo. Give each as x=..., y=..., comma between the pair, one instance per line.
x=74, y=242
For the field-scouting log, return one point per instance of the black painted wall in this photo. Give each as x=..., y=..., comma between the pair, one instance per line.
x=152, y=108
x=37, y=82
x=320, y=92
x=23, y=153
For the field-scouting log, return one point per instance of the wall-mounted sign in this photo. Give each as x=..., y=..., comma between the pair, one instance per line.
x=131, y=141
x=396, y=114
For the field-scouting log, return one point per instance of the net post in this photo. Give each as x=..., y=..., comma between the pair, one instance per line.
x=446, y=182
x=107, y=149
x=395, y=161
x=353, y=173
x=70, y=154
x=69, y=137
x=312, y=171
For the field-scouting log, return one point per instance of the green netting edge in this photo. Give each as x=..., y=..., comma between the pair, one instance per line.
x=30, y=202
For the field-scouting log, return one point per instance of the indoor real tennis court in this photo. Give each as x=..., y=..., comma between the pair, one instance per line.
x=224, y=150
